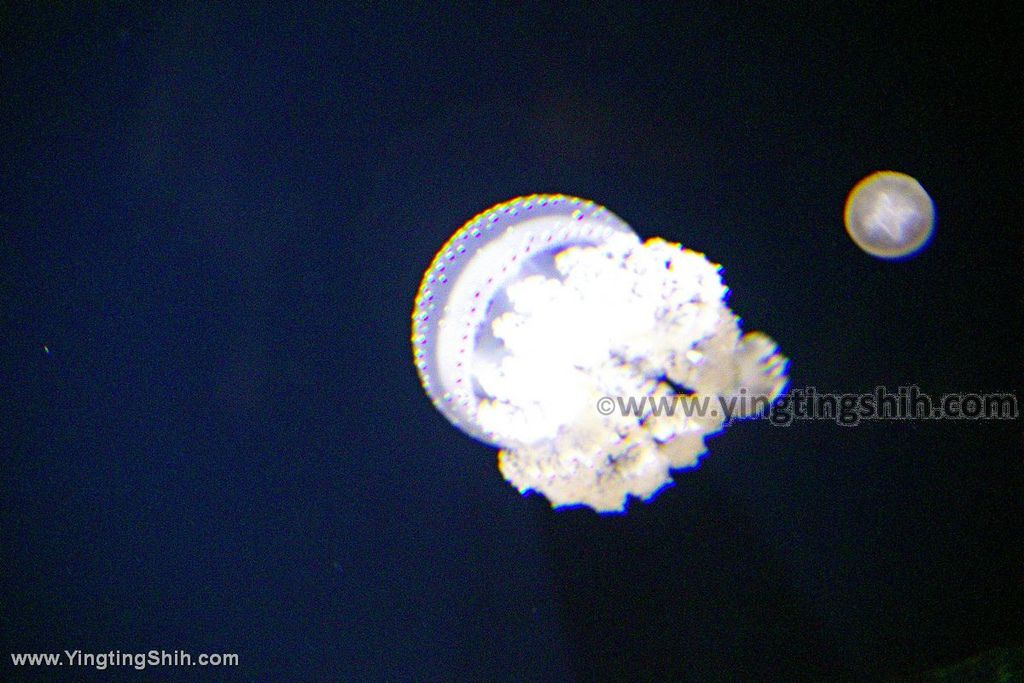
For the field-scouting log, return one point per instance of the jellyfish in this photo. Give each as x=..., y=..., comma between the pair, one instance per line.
x=546, y=328
x=889, y=215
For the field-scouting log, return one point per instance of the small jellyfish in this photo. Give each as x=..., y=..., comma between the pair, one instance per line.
x=889, y=215
x=543, y=317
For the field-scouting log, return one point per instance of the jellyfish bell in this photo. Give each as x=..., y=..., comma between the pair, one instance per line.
x=542, y=309
x=889, y=215
x=466, y=289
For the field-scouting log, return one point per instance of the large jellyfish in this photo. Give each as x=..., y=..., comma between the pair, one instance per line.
x=547, y=328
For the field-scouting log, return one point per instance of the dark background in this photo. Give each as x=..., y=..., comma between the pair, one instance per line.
x=215, y=221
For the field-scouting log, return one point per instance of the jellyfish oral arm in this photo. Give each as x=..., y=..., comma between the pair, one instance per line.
x=624, y=320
